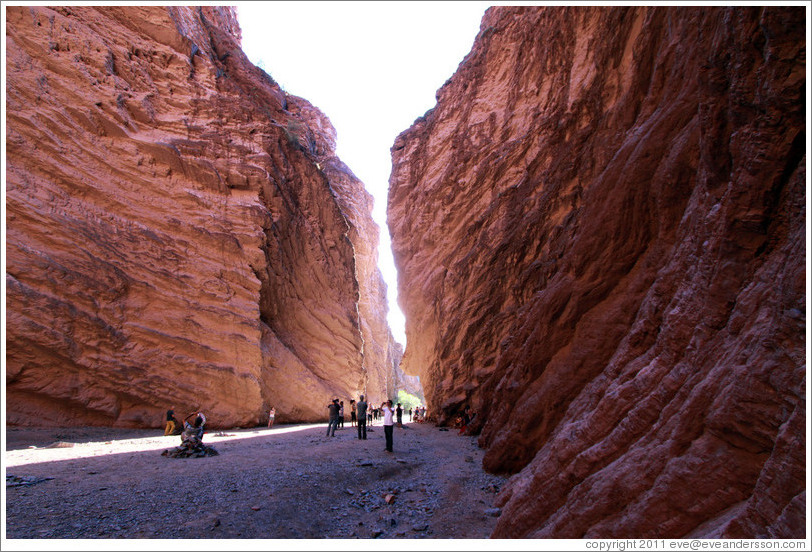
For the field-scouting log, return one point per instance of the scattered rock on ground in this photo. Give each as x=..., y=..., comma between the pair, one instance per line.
x=298, y=485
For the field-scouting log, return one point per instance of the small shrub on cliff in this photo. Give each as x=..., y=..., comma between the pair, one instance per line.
x=291, y=131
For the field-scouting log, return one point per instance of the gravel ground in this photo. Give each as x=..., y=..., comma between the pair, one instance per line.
x=288, y=482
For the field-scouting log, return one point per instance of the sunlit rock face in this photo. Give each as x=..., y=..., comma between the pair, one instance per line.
x=179, y=230
x=600, y=239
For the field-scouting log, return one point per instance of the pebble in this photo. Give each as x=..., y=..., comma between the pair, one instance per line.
x=495, y=512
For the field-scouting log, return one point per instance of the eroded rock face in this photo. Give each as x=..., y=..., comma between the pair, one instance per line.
x=180, y=232
x=599, y=232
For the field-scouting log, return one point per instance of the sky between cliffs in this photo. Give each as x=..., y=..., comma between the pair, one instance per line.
x=372, y=68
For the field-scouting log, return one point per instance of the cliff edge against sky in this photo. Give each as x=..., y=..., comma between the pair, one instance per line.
x=180, y=232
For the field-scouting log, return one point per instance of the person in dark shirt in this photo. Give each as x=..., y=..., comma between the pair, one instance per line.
x=399, y=412
x=171, y=422
x=333, y=408
x=465, y=419
x=361, y=408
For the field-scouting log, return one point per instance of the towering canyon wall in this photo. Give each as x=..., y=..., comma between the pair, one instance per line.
x=179, y=229
x=600, y=236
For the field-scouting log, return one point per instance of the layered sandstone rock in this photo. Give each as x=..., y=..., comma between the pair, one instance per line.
x=599, y=232
x=179, y=230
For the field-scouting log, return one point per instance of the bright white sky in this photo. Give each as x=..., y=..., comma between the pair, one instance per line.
x=372, y=68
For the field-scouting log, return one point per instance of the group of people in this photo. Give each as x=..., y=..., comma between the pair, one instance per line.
x=373, y=413
x=361, y=413
x=419, y=414
x=191, y=428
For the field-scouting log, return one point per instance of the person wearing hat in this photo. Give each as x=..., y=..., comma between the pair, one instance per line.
x=333, y=408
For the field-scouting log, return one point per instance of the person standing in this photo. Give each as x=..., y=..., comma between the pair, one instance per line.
x=353, y=417
x=341, y=415
x=410, y=414
x=271, y=416
x=388, y=424
x=400, y=415
x=361, y=407
x=171, y=422
x=333, y=408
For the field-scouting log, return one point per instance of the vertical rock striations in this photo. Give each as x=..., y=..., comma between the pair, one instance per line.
x=179, y=230
x=599, y=232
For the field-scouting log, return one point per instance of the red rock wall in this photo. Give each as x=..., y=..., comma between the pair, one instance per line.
x=179, y=230
x=600, y=239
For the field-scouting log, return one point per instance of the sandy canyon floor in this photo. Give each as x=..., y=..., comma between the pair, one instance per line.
x=288, y=482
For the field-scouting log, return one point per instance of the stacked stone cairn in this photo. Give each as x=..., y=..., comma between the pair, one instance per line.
x=191, y=445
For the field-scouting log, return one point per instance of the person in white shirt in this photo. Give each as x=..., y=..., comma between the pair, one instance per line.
x=388, y=423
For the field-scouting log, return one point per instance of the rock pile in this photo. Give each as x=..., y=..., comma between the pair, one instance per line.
x=191, y=447
x=20, y=481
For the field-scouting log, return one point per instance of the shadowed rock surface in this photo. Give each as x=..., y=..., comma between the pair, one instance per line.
x=599, y=232
x=179, y=230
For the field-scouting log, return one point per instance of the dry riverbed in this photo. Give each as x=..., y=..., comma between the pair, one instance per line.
x=288, y=482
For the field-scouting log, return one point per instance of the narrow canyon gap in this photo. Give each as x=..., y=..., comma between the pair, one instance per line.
x=600, y=238
x=599, y=231
x=179, y=230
